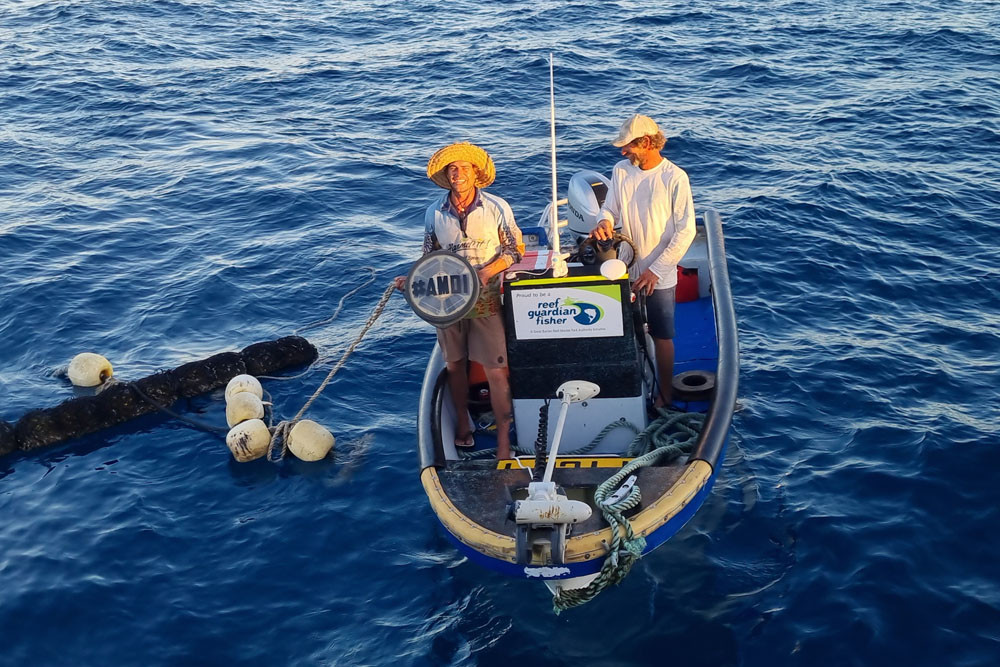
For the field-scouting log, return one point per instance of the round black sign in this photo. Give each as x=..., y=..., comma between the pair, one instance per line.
x=442, y=288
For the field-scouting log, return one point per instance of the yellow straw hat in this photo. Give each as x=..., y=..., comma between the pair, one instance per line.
x=464, y=152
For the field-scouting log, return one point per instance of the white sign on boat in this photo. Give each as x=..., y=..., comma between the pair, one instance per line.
x=587, y=311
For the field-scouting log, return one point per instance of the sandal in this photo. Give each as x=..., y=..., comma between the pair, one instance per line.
x=466, y=441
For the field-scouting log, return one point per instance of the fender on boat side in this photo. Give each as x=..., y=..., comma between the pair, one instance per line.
x=430, y=454
x=595, y=545
x=468, y=532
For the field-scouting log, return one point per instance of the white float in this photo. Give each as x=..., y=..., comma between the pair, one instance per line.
x=89, y=370
x=248, y=440
x=244, y=383
x=243, y=406
x=309, y=441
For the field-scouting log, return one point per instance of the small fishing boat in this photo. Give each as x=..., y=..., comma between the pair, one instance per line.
x=600, y=477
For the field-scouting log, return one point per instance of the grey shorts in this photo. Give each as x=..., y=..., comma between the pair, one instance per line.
x=480, y=339
x=660, y=313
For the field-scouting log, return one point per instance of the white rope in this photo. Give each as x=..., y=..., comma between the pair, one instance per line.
x=320, y=361
x=280, y=434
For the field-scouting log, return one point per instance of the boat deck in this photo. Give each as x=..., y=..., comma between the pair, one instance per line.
x=695, y=344
x=484, y=494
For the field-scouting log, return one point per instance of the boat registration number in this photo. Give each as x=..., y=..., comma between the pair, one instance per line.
x=567, y=462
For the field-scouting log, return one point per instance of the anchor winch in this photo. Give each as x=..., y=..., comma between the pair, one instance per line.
x=545, y=516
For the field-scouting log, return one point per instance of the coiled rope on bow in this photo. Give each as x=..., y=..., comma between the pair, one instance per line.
x=667, y=437
x=280, y=435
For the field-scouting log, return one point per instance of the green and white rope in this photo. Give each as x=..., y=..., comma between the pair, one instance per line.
x=626, y=547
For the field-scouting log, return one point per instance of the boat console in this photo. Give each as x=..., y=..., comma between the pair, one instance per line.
x=581, y=326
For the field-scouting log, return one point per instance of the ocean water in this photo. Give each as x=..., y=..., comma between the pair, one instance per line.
x=185, y=177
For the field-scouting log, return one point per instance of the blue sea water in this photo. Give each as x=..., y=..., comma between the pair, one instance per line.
x=185, y=177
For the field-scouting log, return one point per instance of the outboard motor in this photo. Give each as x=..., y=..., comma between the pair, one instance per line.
x=585, y=196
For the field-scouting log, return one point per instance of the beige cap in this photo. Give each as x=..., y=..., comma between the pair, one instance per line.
x=635, y=127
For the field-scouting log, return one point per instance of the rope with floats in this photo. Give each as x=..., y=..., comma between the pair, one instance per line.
x=279, y=437
x=280, y=432
x=119, y=401
x=252, y=433
x=116, y=401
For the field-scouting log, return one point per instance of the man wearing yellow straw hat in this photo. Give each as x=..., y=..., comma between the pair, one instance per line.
x=480, y=227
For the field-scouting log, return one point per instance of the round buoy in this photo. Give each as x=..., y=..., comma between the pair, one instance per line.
x=694, y=385
x=243, y=406
x=248, y=440
x=244, y=383
x=441, y=288
x=309, y=441
x=89, y=370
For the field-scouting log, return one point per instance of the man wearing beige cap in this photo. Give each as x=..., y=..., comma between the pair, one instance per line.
x=480, y=227
x=650, y=197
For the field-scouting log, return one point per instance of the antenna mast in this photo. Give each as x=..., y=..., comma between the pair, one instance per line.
x=558, y=261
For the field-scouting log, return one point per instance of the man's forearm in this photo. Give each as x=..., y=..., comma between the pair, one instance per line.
x=498, y=265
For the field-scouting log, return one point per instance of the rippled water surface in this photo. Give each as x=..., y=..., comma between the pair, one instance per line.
x=179, y=178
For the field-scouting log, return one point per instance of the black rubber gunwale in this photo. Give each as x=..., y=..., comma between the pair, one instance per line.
x=713, y=435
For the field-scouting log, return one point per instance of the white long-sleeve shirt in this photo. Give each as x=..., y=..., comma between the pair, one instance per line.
x=656, y=211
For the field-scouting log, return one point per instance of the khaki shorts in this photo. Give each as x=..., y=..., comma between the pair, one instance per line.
x=480, y=339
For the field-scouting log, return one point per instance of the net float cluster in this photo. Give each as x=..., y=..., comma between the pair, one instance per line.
x=121, y=401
